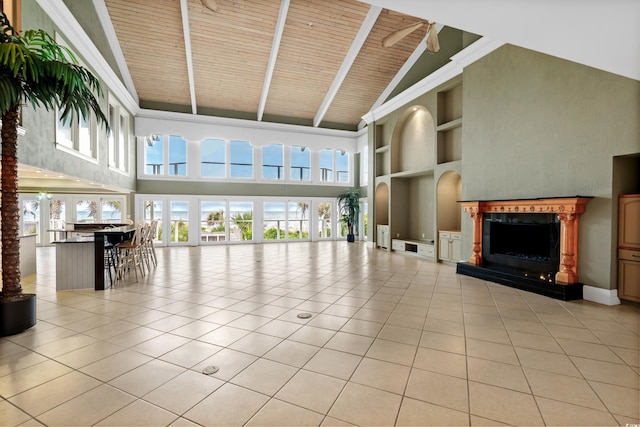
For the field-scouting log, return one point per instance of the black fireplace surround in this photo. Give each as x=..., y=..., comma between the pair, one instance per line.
x=522, y=250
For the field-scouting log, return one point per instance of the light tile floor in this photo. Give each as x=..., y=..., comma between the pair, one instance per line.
x=392, y=340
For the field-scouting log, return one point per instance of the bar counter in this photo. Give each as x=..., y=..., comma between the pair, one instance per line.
x=80, y=260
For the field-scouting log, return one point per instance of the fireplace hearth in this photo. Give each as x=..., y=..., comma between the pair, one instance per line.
x=527, y=244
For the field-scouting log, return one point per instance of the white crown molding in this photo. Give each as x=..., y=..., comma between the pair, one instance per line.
x=475, y=51
x=82, y=44
x=452, y=69
x=250, y=124
x=433, y=80
x=601, y=296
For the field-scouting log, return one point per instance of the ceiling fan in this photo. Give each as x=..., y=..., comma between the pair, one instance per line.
x=432, y=40
x=210, y=4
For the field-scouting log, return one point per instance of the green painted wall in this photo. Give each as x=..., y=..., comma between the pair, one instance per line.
x=86, y=15
x=37, y=147
x=552, y=129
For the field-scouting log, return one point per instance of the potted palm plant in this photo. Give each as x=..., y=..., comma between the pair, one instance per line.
x=349, y=204
x=36, y=70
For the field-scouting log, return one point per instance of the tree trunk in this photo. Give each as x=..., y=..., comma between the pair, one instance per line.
x=9, y=208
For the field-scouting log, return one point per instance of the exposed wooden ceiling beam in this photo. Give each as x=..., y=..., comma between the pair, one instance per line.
x=112, y=38
x=358, y=41
x=277, y=37
x=184, y=10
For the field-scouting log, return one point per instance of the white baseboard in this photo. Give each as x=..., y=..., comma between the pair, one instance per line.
x=601, y=296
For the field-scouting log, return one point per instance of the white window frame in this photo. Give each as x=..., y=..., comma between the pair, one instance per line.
x=73, y=146
x=120, y=139
x=282, y=166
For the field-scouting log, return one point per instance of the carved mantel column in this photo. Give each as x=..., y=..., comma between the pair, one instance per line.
x=473, y=208
x=568, y=248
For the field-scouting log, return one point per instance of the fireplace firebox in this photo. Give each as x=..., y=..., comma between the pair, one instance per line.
x=527, y=244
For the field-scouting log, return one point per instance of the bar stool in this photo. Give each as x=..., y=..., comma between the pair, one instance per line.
x=130, y=255
x=153, y=231
x=110, y=260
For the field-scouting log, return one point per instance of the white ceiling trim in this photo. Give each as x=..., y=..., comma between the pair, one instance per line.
x=241, y=123
x=75, y=34
x=454, y=68
x=184, y=11
x=275, y=47
x=358, y=41
x=112, y=38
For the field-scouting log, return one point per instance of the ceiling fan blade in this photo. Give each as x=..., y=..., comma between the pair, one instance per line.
x=433, y=45
x=210, y=4
x=394, y=38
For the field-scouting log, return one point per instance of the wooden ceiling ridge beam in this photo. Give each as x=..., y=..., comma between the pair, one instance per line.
x=114, y=45
x=186, y=30
x=402, y=72
x=275, y=47
x=367, y=24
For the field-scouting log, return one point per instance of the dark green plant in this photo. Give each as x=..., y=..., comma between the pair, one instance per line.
x=35, y=70
x=349, y=205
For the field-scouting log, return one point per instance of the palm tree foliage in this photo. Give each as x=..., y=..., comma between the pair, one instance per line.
x=35, y=70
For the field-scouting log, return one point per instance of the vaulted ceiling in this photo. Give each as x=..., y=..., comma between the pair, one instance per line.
x=318, y=63
x=321, y=62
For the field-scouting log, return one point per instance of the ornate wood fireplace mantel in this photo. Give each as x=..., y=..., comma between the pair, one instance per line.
x=568, y=210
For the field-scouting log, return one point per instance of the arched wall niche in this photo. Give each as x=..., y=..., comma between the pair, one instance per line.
x=449, y=192
x=413, y=141
x=382, y=204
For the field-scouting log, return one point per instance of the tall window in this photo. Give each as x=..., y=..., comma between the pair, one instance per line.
x=179, y=221
x=272, y=162
x=119, y=121
x=212, y=217
x=241, y=159
x=86, y=210
x=77, y=135
x=212, y=158
x=326, y=165
x=241, y=221
x=325, y=211
x=177, y=156
x=298, y=220
x=31, y=217
x=152, y=211
x=300, y=169
x=154, y=155
x=342, y=166
x=111, y=210
x=275, y=221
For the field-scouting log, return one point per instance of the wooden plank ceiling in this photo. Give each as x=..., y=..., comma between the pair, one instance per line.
x=231, y=48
